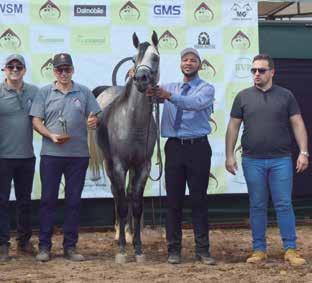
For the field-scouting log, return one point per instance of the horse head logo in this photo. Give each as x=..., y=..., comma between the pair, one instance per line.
x=168, y=41
x=46, y=69
x=49, y=11
x=240, y=41
x=10, y=40
x=129, y=12
x=203, y=39
x=203, y=13
x=146, y=62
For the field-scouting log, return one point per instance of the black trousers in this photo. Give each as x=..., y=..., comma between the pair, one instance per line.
x=21, y=171
x=187, y=162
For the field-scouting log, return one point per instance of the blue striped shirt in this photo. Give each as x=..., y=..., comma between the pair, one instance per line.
x=197, y=107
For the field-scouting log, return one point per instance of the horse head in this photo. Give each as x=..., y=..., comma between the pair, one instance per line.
x=146, y=63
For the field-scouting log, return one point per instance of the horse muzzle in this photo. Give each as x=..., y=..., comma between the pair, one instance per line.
x=142, y=79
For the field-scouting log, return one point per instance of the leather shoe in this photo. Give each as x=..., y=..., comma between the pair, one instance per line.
x=43, y=255
x=71, y=254
x=205, y=259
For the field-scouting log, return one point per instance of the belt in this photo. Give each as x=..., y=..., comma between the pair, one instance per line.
x=189, y=140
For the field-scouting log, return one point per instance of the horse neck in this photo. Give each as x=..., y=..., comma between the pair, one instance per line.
x=138, y=105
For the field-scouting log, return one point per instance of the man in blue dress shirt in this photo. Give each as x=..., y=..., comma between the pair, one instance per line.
x=187, y=108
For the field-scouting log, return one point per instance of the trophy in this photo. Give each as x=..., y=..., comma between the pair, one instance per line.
x=64, y=137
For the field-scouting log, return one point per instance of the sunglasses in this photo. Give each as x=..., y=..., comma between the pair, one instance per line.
x=14, y=67
x=63, y=69
x=260, y=70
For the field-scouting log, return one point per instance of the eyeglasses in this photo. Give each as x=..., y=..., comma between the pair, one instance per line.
x=260, y=70
x=63, y=69
x=14, y=67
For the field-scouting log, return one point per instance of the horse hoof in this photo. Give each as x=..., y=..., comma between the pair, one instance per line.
x=140, y=258
x=121, y=258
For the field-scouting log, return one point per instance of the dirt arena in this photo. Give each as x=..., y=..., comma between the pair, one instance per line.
x=229, y=246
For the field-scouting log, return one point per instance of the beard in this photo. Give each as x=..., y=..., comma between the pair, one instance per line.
x=190, y=75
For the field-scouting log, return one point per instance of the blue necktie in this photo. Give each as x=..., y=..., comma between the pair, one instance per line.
x=178, y=118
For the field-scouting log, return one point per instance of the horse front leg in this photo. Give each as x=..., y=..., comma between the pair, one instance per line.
x=140, y=178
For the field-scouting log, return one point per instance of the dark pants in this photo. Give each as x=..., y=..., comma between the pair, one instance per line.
x=51, y=170
x=187, y=163
x=21, y=171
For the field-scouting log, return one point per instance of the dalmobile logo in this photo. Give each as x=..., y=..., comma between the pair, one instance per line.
x=10, y=40
x=240, y=41
x=49, y=11
x=46, y=70
x=242, y=68
x=203, y=13
x=203, y=41
x=207, y=69
x=129, y=12
x=167, y=41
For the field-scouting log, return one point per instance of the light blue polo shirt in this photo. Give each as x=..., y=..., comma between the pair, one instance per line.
x=75, y=107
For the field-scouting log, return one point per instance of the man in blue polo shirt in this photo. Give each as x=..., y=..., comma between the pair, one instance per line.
x=187, y=108
x=61, y=112
x=17, y=160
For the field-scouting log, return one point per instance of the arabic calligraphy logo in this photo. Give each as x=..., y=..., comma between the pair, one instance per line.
x=203, y=13
x=129, y=12
x=208, y=69
x=49, y=11
x=10, y=40
x=167, y=41
x=240, y=41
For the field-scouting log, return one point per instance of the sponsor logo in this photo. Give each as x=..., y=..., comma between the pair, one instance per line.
x=46, y=70
x=240, y=41
x=168, y=41
x=208, y=69
x=203, y=41
x=84, y=40
x=129, y=12
x=203, y=13
x=9, y=9
x=242, y=68
x=241, y=10
x=49, y=40
x=167, y=10
x=90, y=10
x=49, y=11
x=10, y=40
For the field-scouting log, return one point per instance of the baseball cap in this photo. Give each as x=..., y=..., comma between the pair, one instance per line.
x=62, y=59
x=190, y=50
x=17, y=57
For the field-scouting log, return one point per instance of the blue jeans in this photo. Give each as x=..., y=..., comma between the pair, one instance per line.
x=275, y=174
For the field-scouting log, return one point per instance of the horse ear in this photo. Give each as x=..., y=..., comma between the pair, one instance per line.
x=135, y=40
x=155, y=38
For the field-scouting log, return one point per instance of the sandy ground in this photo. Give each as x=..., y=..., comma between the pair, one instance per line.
x=229, y=246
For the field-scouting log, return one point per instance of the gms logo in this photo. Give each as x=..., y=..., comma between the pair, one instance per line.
x=168, y=41
x=242, y=68
x=167, y=10
x=240, y=41
x=241, y=9
x=10, y=9
x=203, y=41
x=129, y=12
x=46, y=70
x=10, y=40
x=49, y=11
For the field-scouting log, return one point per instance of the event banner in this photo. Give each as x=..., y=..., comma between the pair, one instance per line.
x=98, y=34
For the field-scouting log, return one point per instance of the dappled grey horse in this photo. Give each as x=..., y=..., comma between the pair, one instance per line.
x=126, y=136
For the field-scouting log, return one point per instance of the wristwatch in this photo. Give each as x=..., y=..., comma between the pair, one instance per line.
x=305, y=153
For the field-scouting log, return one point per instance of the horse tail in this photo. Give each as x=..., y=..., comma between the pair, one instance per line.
x=96, y=157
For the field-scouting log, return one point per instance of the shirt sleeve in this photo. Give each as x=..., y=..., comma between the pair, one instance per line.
x=237, y=111
x=38, y=105
x=293, y=107
x=201, y=98
x=92, y=104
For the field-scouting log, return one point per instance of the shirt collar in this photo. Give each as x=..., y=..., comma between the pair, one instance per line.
x=75, y=87
x=7, y=87
x=194, y=82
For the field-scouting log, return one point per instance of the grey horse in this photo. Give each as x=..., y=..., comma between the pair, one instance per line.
x=126, y=136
